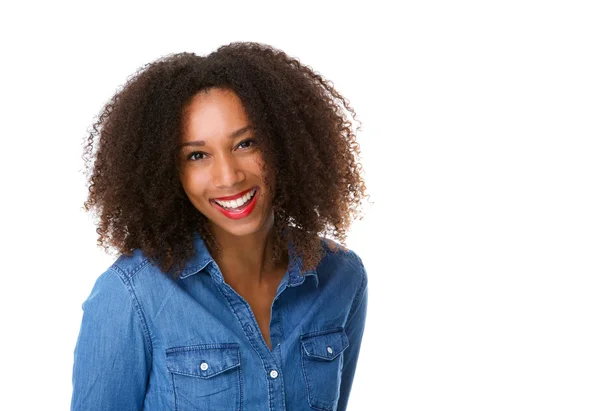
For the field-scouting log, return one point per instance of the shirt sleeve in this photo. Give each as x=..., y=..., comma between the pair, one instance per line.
x=112, y=356
x=354, y=330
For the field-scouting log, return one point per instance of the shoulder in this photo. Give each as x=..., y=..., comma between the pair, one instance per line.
x=115, y=281
x=127, y=291
x=338, y=260
x=128, y=266
x=340, y=253
x=128, y=276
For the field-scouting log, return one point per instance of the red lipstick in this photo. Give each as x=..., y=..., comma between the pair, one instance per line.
x=237, y=214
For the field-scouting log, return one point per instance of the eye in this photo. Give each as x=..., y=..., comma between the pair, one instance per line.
x=194, y=153
x=247, y=143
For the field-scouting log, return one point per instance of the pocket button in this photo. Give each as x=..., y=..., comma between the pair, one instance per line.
x=322, y=363
x=205, y=377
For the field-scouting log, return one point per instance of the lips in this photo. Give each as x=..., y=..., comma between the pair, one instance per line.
x=238, y=213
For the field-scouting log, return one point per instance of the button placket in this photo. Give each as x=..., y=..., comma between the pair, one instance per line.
x=247, y=320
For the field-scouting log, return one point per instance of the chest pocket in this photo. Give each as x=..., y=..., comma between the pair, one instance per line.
x=206, y=377
x=322, y=366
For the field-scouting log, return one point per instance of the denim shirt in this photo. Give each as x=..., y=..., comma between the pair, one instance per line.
x=153, y=343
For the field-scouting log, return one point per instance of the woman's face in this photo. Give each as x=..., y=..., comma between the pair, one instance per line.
x=220, y=164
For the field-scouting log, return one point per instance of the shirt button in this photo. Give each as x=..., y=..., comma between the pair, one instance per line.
x=273, y=374
x=204, y=366
x=329, y=350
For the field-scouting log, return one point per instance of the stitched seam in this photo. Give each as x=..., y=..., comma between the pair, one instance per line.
x=172, y=352
x=282, y=379
x=311, y=402
x=359, y=294
x=135, y=270
x=200, y=347
x=172, y=371
x=174, y=391
x=137, y=306
x=321, y=332
x=271, y=389
x=241, y=382
x=139, y=267
x=244, y=329
x=241, y=322
x=305, y=377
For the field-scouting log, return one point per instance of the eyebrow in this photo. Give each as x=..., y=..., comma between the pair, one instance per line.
x=235, y=134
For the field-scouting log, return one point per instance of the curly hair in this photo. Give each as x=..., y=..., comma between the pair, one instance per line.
x=307, y=141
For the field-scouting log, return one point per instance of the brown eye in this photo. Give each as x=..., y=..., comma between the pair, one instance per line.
x=192, y=155
x=247, y=143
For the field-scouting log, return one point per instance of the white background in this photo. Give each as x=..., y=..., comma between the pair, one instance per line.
x=480, y=147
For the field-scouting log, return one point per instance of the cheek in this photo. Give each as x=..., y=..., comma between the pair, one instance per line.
x=184, y=177
x=254, y=163
x=257, y=165
x=193, y=182
x=266, y=174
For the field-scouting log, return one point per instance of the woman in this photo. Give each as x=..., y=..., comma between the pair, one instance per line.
x=214, y=178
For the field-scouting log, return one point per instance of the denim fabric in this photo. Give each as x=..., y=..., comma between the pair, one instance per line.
x=150, y=342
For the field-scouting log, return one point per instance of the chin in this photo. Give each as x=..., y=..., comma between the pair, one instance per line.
x=255, y=223
x=238, y=229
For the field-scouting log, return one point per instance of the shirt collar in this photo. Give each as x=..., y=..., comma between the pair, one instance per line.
x=202, y=259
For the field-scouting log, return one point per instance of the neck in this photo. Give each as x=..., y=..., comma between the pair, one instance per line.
x=246, y=260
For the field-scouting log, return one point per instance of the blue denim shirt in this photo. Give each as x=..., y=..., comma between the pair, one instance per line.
x=150, y=342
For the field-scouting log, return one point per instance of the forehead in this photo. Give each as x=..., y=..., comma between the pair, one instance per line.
x=213, y=113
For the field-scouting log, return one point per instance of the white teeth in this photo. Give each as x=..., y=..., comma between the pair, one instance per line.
x=236, y=203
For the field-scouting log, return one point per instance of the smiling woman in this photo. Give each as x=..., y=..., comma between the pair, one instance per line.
x=230, y=161
x=222, y=180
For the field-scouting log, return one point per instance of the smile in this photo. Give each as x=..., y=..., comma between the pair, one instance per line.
x=237, y=208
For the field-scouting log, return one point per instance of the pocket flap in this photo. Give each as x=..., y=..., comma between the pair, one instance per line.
x=325, y=345
x=204, y=361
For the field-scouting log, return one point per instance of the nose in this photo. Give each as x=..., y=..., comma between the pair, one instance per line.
x=226, y=172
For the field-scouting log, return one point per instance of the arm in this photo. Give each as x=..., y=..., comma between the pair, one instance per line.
x=354, y=329
x=112, y=355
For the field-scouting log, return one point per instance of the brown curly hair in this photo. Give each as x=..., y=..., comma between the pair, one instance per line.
x=307, y=140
